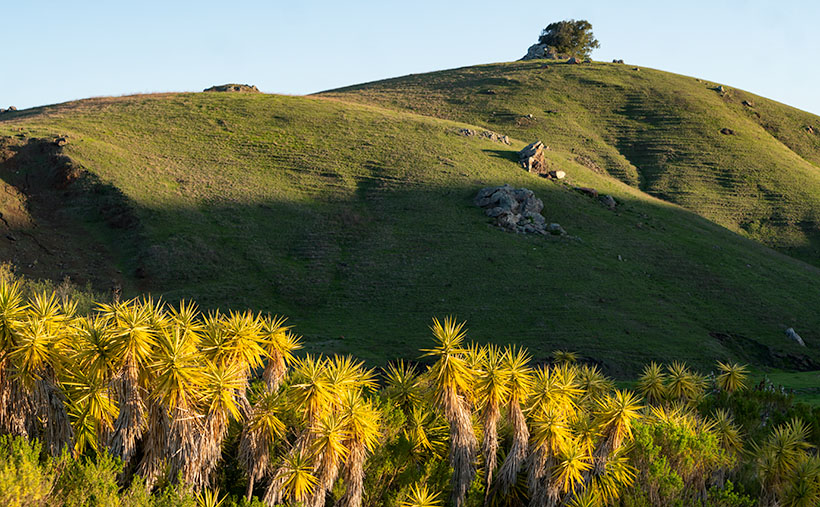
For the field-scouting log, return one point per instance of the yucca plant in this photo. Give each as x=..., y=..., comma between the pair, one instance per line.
x=550, y=436
x=329, y=451
x=651, y=383
x=732, y=377
x=616, y=414
x=259, y=434
x=452, y=380
x=520, y=383
x=492, y=390
x=403, y=385
x=294, y=479
x=420, y=496
x=279, y=345
x=361, y=423
x=683, y=385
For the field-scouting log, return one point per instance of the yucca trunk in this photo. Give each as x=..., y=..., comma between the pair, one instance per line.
x=50, y=405
x=276, y=490
x=508, y=475
x=155, y=441
x=130, y=422
x=254, y=454
x=463, y=445
x=489, y=447
x=353, y=475
x=543, y=493
x=274, y=372
x=16, y=410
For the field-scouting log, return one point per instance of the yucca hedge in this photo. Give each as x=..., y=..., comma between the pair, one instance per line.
x=164, y=396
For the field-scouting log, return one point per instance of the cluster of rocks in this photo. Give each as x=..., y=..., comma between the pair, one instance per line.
x=727, y=131
x=748, y=103
x=617, y=61
x=9, y=110
x=516, y=210
x=233, y=87
x=532, y=159
x=606, y=199
x=486, y=134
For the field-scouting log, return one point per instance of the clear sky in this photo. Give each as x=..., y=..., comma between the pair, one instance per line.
x=57, y=51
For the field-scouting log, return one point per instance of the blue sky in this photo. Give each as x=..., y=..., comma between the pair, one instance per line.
x=58, y=51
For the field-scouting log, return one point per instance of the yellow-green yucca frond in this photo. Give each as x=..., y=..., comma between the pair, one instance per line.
x=45, y=306
x=617, y=477
x=12, y=313
x=264, y=417
x=403, y=386
x=517, y=363
x=554, y=389
x=475, y=355
x=683, y=385
x=91, y=395
x=209, y=498
x=732, y=377
x=550, y=431
x=95, y=346
x=420, y=496
x=361, y=420
x=296, y=474
x=451, y=370
x=677, y=415
x=155, y=312
x=585, y=499
x=564, y=356
x=727, y=432
x=585, y=431
x=781, y=453
x=186, y=318
x=36, y=349
x=244, y=332
x=594, y=383
x=345, y=374
x=803, y=488
x=214, y=343
x=222, y=386
x=651, y=383
x=134, y=336
x=492, y=381
x=617, y=412
x=426, y=433
x=177, y=369
x=329, y=444
x=311, y=389
x=278, y=339
x=573, y=463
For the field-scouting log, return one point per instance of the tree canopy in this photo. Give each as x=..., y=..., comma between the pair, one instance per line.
x=570, y=37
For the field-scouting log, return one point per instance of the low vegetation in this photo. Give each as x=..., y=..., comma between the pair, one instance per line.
x=138, y=402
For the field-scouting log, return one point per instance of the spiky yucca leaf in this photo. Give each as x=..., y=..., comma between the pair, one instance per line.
x=732, y=377
x=573, y=463
x=403, y=385
x=651, y=383
x=564, y=357
x=419, y=496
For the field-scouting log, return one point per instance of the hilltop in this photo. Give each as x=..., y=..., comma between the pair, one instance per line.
x=353, y=214
x=739, y=160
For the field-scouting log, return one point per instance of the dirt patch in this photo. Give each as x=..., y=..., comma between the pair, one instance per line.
x=49, y=208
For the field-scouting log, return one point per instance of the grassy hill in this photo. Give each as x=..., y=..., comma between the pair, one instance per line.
x=656, y=131
x=357, y=221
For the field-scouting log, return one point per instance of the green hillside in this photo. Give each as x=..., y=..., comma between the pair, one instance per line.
x=656, y=131
x=358, y=223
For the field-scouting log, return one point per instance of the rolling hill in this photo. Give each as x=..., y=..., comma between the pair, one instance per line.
x=353, y=215
x=742, y=161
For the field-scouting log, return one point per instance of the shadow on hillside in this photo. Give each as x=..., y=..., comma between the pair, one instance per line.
x=364, y=275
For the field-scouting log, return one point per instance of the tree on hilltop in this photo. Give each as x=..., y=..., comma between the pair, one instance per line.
x=571, y=37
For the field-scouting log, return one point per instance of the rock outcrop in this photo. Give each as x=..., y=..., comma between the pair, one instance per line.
x=791, y=334
x=233, y=87
x=516, y=210
x=532, y=158
x=486, y=134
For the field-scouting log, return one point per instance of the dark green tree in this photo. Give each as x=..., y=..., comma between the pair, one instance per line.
x=571, y=37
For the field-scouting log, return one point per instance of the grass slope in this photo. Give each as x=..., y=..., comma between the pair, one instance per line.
x=358, y=223
x=657, y=131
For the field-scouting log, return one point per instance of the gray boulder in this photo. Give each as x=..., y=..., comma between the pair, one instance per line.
x=233, y=87
x=556, y=230
x=791, y=334
x=535, y=52
x=608, y=201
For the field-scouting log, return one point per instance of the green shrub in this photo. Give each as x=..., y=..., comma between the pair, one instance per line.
x=24, y=480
